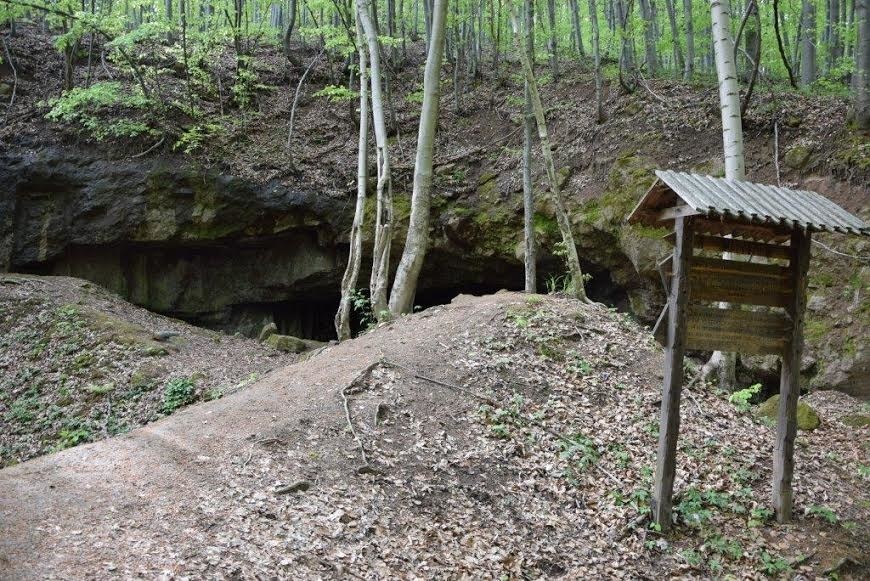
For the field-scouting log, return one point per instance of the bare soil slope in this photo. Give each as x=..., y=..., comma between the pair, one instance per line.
x=503, y=436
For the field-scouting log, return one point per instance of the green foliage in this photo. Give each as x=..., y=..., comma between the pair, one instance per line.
x=773, y=564
x=824, y=513
x=94, y=110
x=197, y=135
x=337, y=94
x=362, y=306
x=742, y=397
x=69, y=437
x=178, y=392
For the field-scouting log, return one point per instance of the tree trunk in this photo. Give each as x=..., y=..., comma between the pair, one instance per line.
x=573, y=260
x=862, y=65
x=531, y=284
x=596, y=58
x=808, y=43
x=576, y=28
x=835, y=46
x=354, y=260
x=679, y=64
x=384, y=209
x=649, y=36
x=551, y=41
x=752, y=44
x=689, y=71
x=732, y=132
x=417, y=240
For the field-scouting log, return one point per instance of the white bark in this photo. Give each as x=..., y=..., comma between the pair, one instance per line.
x=383, y=238
x=417, y=240
x=729, y=96
x=732, y=133
x=351, y=273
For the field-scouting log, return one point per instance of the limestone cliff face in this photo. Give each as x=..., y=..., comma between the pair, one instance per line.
x=194, y=243
x=233, y=254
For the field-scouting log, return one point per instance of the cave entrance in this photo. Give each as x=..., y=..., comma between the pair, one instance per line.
x=313, y=318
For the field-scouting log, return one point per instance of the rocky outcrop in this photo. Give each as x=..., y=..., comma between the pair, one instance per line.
x=213, y=248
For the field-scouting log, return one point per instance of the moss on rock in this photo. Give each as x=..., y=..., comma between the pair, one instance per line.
x=797, y=157
x=807, y=418
x=286, y=343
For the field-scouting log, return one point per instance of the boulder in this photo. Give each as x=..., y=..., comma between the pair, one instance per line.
x=267, y=331
x=286, y=343
x=808, y=419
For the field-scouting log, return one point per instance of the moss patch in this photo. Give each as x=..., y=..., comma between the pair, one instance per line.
x=808, y=419
x=856, y=420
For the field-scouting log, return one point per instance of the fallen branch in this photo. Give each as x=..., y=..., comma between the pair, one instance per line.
x=439, y=382
x=150, y=149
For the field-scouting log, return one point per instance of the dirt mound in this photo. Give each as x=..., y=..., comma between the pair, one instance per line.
x=506, y=436
x=78, y=364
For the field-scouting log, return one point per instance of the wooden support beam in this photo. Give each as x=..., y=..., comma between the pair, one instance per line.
x=789, y=383
x=669, y=423
x=676, y=212
x=736, y=246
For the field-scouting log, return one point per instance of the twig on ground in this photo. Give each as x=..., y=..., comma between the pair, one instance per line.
x=439, y=382
x=362, y=374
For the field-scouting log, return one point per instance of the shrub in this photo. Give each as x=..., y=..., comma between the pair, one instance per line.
x=178, y=393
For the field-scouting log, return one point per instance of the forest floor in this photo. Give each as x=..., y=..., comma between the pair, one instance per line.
x=79, y=364
x=506, y=436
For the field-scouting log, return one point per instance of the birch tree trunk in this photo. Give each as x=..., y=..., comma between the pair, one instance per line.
x=862, y=65
x=417, y=240
x=383, y=238
x=351, y=273
x=562, y=219
x=531, y=283
x=732, y=133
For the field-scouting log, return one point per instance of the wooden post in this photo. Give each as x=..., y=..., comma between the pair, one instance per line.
x=789, y=385
x=669, y=423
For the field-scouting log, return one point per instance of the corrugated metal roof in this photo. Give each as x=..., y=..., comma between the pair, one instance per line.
x=755, y=203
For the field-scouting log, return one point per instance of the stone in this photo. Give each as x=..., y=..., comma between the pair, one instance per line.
x=300, y=486
x=808, y=419
x=267, y=331
x=817, y=303
x=286, y=343
x=164, y=335
x=797, y=157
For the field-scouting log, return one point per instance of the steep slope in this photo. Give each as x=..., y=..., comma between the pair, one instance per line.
x=506, y=435
x=78, y=364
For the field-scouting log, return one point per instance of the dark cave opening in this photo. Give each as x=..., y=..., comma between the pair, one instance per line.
x=313, y=318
